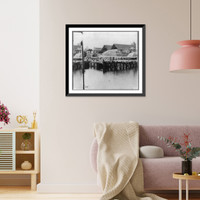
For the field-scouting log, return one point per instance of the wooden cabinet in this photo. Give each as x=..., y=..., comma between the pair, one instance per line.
x=12, y=156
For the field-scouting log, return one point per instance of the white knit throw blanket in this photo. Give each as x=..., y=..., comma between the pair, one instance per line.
x=119, y=167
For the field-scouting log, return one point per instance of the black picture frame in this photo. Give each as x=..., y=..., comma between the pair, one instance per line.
x=74, y=64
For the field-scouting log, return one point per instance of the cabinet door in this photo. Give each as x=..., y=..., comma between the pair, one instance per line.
x=7, y=151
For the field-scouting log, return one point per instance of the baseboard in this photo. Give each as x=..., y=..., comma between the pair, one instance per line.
x=68, y=188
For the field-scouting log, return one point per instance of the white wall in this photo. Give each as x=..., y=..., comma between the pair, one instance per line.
x=19, y=62
x=67, y=122
x=19, y=57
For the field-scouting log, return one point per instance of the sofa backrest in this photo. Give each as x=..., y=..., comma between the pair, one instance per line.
x=149, y=136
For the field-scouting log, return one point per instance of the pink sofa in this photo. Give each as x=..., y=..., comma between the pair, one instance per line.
x=158, y=171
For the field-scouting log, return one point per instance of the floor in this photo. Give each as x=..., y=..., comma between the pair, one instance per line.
x=23, y=193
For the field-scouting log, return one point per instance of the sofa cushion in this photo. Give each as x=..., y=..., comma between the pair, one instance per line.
x=158, y=173
x=151, y=152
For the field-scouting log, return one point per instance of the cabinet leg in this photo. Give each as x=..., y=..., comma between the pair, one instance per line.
x=33, y=181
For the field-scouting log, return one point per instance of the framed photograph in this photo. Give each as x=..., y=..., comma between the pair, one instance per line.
x=105, y=60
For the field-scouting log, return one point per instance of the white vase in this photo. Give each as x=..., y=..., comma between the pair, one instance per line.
x=26, y=165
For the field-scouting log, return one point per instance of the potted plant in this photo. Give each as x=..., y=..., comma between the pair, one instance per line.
x=4, y=114
x=185, y=150
x=26, y=144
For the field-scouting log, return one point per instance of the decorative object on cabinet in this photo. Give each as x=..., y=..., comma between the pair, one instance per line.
x=105, y=60
x=26, y=144
x=22, y=120
x=188, y=56
x=19, y=156
x=26, y=165
x=34, y=124
x=4, y=114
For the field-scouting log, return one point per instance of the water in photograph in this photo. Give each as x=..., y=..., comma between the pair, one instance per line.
x=111, y=80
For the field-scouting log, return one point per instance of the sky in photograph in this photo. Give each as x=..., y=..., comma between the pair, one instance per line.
x=98, y=39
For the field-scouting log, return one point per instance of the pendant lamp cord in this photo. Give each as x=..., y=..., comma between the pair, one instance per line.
x=190, y=19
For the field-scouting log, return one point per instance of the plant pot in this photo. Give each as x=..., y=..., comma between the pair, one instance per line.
x=187, y=167
x=26, y=145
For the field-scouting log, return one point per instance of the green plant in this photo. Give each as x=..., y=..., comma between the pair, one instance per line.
x=26, y=136
x=186, y=151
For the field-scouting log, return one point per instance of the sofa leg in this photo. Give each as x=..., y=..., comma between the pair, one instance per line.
x=180, y=189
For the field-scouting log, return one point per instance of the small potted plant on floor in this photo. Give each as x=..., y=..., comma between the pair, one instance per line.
x=185, y=150
x=26, y=144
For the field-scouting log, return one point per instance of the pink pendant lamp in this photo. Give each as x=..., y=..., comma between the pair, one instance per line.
x=188, y=56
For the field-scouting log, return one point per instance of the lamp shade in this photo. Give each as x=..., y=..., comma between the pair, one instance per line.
x=186, y=57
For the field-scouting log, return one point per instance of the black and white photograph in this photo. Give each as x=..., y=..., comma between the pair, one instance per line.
x=105, y=60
